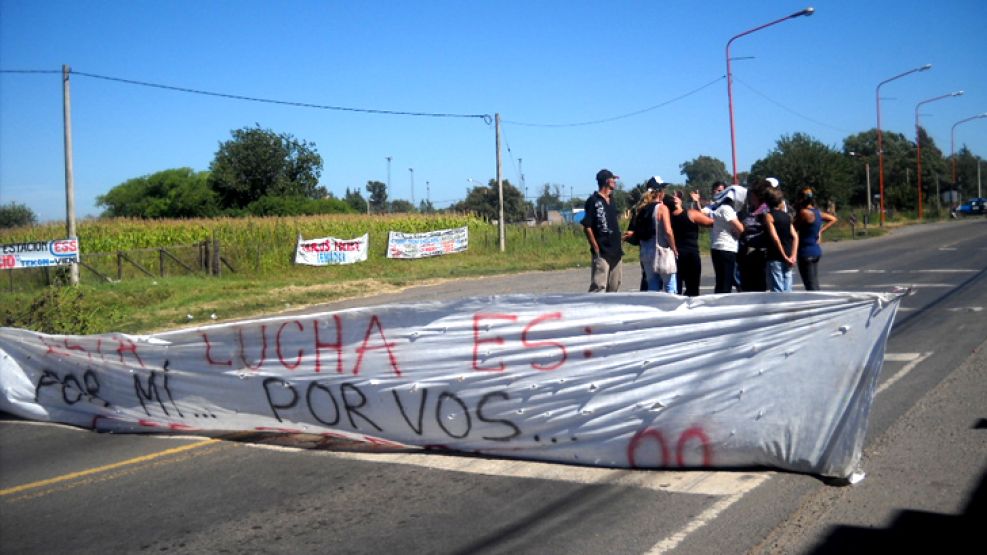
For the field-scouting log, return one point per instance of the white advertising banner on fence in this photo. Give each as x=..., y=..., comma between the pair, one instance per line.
x=432, y=243
x=329, y=250
x=618, y=380
x=39, y=254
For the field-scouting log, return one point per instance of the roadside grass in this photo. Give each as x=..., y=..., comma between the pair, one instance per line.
x=141, y=304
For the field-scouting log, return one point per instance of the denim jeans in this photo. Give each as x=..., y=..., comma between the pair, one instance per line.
x=656, y=282
x=779, y=276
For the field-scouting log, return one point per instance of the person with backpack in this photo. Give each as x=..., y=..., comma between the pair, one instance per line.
x=752, y=245
x=651, y=229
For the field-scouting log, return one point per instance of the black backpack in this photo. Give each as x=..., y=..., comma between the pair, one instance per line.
x=643, y=224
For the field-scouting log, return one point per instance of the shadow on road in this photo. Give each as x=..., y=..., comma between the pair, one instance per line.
x=917, y=532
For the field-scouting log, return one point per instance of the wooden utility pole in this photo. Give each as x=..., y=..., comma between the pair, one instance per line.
x=69, y=179
x=500, y=188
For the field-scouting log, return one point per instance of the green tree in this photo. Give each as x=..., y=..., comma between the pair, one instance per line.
x=701, y=172
x=966, y=172
x=402, y=206
x=934, y=167
x=621, y=199
x=799, y=161
x=273, y=205
x=426, y=207
x=355, y=200
x=173, y=193
x=259, y=162
x=378, y=196
x=550, y=199
x=899, y=167
x=483, y=201
x=16, y=215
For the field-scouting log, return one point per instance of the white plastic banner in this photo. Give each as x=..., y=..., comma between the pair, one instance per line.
x=432, y=243
x=39, y=254
x=329, y=250
x=621, y=380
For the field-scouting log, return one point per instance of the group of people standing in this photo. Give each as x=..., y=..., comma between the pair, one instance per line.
x=755, y=240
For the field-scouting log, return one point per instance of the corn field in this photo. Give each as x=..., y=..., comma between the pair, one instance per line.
x=133, y=248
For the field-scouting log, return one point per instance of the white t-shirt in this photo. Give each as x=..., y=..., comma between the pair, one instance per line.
x=724, y=236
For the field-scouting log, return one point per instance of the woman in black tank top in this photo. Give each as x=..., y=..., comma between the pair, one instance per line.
x=685, y=226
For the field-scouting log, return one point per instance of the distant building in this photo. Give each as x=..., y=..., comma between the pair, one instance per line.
x=573, y=216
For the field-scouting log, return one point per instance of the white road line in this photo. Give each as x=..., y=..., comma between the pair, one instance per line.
x=714, y=510
x=901, y=373
x=911, y=285
x=702, y=519
x=730, y=486
x=901, y=357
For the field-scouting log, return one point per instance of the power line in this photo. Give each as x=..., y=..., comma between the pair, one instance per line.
x=787, y=109
x=485, y=117
x=623, y=116
x=30, y=71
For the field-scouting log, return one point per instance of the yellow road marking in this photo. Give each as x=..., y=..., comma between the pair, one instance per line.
x=104, y=468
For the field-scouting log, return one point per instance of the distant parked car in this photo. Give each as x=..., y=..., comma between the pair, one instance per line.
x=973, y=207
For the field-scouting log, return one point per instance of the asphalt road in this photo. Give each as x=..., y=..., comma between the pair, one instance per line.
x=69, y=490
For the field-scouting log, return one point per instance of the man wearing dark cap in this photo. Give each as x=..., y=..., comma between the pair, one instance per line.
x=603, y=233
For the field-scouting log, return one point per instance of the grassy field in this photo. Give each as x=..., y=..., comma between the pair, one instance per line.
x=265, y=281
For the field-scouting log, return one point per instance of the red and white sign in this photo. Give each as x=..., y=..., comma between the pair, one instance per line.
x=330, y=250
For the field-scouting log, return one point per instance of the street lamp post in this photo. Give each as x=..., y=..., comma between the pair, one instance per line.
x=880, y=140
x=412, y=170
x=952, y=145
x=918, y=144
x=733, y=141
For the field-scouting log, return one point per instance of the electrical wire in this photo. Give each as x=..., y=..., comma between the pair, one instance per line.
x=789, y=110
x=30, y=71
x=622, y=116
x=487, y=118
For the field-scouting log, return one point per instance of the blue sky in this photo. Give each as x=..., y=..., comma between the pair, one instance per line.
x=534, y=62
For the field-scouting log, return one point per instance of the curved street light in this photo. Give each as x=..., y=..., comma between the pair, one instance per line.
x=733, y=141
x=918, y=143
x=880, y=144
x=952, y=141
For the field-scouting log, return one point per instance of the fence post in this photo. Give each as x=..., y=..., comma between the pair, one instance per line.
x=217, y=262
x=205, y=258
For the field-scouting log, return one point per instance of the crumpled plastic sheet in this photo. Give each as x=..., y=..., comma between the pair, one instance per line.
x=637, y=380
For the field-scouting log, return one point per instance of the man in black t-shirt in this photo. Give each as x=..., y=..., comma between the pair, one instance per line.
x=603, y=233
